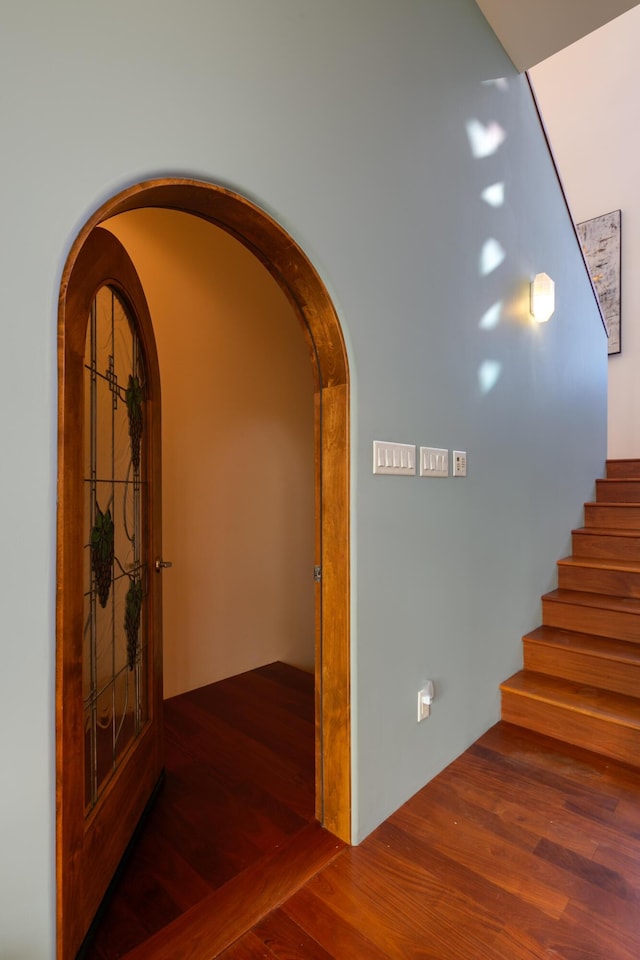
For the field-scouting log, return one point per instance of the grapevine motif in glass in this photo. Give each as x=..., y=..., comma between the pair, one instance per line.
x=134, y=398
x=133, y=607
x=102, y=553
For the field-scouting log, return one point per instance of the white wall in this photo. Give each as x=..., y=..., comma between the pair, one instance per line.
x=237, y=452
x=588, y=95
x=350, y=121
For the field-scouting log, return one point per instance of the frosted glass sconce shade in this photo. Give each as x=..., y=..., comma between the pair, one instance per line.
x=543, y=297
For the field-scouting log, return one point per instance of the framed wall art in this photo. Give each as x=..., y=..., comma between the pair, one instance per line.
x=600, y=241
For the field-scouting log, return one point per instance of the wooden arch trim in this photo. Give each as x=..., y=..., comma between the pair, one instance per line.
x=295, y=274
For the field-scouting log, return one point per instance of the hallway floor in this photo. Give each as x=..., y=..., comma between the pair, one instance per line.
x=522, y=849
x=239, y=786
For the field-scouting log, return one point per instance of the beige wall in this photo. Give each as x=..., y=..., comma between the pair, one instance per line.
x=531, y=30
x=238, y=454
x=589, y=99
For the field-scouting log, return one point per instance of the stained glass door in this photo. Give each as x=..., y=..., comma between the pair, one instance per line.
x=116, y=565
x=109, y=644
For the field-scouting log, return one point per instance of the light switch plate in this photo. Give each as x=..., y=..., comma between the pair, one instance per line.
x=434, y=462
x=396, y=459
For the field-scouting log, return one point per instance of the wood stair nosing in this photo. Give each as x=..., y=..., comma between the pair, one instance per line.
x=595, y=600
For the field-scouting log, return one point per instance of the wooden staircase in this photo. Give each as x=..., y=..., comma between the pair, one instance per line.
x=581, y=677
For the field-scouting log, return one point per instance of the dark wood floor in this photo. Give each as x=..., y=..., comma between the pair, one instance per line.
x=522, y=849
x=239, y=789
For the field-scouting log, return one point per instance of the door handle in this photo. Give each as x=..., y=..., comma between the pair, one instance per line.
x=160, y=564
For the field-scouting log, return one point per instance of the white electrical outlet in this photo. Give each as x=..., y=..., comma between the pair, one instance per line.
x=459, y=463
x=397, y=459
x=434, y=462
x=425, y=699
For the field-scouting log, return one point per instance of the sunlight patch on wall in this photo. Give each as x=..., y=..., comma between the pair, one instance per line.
x=500, y=83
x=485, y=140
x=494, y=194
x=491, y=256
x=489, y=374
x=491, y=317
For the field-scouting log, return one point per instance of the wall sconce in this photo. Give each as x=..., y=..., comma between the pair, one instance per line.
x=543, y=297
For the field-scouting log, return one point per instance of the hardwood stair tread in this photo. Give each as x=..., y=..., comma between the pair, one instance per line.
x=601, y=601
x=607, y=531
x=609, y=649
x=601, y=563
x=617, y=479
x=618, y=504
x=590, y=701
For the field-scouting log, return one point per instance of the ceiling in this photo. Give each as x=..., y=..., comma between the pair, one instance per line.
x=532, y=30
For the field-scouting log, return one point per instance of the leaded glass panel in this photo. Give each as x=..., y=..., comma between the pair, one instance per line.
x=115, y=672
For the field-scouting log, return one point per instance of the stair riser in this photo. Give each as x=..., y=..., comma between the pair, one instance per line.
x=615, y=583
x=623, y=469
x=555, y=720
x=605, y=547
x=618, y=491
x=615, y=675
x=583, y=619
x=606, y=515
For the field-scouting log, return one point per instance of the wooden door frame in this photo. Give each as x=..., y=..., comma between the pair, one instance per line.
x=296, y=276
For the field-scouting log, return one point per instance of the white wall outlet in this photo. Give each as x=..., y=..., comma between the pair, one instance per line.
x=397, y=459
x=434, y=462
x=425, y=699
x=459, y=463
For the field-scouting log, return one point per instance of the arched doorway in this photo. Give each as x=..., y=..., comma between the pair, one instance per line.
x=308, y=296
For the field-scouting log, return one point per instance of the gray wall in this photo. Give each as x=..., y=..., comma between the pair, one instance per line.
x=347, y=120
